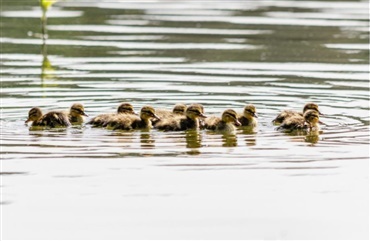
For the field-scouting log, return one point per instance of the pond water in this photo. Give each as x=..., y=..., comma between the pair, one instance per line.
x=91, y=183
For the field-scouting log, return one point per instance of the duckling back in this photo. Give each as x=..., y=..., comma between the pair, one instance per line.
x=53, y=119
x=181, y=123
x=123, y=122
x=99, y=120
x=129, y=122
x=293, y=122
x=226, y=123
x=211, y=122
x=164, y=114
x=103, y=120
x=285, y=114
x=171, y=123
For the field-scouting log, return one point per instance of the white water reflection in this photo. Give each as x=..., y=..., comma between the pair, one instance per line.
x=257, y=184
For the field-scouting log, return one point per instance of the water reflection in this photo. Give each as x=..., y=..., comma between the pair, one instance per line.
x=193, y=139
x=310, y=136
x=146, y=140
x=47, y=70
x=45, y=5
x=229, y=140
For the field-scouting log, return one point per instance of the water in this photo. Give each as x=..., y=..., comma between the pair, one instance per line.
x=90, y=183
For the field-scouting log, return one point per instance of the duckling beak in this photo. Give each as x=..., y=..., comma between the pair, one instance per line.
x=84, y=114
x=202, y=115
x=255, y=115
x=237, y=123
x=322, y=123
x=155, y=116
x=28, y=120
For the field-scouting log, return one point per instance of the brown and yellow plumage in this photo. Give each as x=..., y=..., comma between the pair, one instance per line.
x=52, y=119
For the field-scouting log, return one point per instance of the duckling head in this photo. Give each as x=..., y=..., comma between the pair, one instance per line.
x=195, y=111
x=200, y=106
x=77, y=109
x=148, y=112
x=126, y=108
x=230, y=116
x=34, y=114
x=179, y=109
x=250, y=112
x=311, y=106
x=312, y=118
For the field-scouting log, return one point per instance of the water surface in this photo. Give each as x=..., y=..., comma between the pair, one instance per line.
x=91, y=183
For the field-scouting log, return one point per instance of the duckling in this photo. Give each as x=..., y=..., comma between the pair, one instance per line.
x=76, y=114
x=248, y=117
x=291, y=113
x=51, y=119
x=130, y=122
x=225, y=123
x=189, y=121
x=309, y=120
x=312, y=118
x=178, y=110
x=103, y=119
x=201, y=120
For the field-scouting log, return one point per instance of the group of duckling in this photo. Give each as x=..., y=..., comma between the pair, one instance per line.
x=180, y=118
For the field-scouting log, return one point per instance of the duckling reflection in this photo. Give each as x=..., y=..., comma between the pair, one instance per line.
x=131, y=122
x=313, y=136
x=224, y=124
x=250, y=136
x=189, y=121
x=294, y=114
x=249, y=116
x=229, y=140
x=146, y=140
x=102, y=120
x=193, y=139
x=52, y=119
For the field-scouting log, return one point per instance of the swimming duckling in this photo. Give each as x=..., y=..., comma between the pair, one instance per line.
x=225, y=123
x=76, y=114
x=248, y=117
x=103, y=119
x=291, y=113
x=201, y=120
x=178, y=110
x=189, y=121
x=51, y=119
x=130, y=122
x=312, y=118
x=309, y=120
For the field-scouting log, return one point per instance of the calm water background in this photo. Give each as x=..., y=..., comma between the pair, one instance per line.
x=87, y=183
